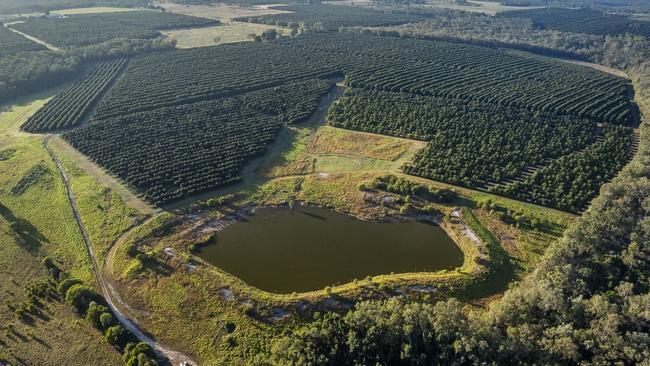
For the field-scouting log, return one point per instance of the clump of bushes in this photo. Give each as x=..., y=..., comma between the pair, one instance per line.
x=509, y=216
x=145, y=259
x=393, y=184
x=203, y=241
x=92, y=305
x=31, y=305
x=139, y=354
x=218, y=201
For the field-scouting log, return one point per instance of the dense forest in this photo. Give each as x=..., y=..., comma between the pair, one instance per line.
x=473, y=73
x=241, y=68
x=466, y=88
x=519, y=33
x=26, y=66
x=371, y=62
x=292, y=103
x=27, y=72
x=173, y=152
x=571, y=181
x=98, y=28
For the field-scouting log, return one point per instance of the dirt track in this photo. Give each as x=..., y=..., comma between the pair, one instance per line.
x=111, y=296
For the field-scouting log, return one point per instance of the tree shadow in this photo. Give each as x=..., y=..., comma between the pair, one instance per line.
x=26, y=234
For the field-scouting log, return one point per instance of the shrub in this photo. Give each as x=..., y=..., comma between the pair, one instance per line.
x=65, y=285
x=80, y=297
x=94, y=313
x=139, y=354
x=406, y=209
x=117, y=336
x=106, y=320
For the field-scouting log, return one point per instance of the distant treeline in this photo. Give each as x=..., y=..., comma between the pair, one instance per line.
x=618, y=5
x=87, y=29
x=28, y=72
x=40, y=6
x=26, y=66
x=519, y=33
x=583, y=21
x=539, y=50
x=332, y=17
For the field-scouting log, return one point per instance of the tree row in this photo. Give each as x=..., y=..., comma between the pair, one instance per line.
x=69, y=108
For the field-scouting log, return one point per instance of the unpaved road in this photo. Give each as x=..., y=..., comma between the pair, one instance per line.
x=31, y=38
x=111, y=296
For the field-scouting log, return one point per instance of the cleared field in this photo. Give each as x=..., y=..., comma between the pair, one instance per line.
x=38, y=7
x=327, y=150
x=93, y=10
x=334, y=164
x=330, y=18
x=330, y=140
x=222, y=12
x=485, y=7
x=211, y=36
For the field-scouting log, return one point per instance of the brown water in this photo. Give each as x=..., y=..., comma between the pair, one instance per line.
x=307, y=248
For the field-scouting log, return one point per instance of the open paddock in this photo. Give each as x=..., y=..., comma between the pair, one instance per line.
x=211, y=36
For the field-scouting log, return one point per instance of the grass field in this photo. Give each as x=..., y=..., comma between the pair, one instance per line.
x=229, y=32
x=104, y=213
x=79, y=162
x=37, y=223
x=210, y=36
x=92, y=10
x=223, y=12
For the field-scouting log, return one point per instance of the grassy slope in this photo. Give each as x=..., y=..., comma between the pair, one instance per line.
x=104, y=213
x=43, y=226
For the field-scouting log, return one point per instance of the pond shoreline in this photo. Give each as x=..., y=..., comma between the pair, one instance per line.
x=402, y=282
